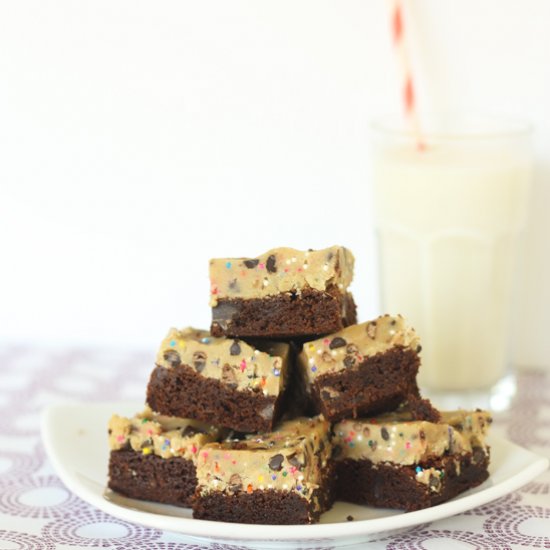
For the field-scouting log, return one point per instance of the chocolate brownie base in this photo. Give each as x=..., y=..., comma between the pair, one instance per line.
x=422, y=409
x=287, y=315
x=150, y=477
x=180, y=391
x=269, y=507
x=388, y=485
x=379, y=383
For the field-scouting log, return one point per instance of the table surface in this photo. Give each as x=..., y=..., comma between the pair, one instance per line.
x=38, y=512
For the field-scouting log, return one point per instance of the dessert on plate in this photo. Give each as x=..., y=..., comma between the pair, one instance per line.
x=282, y=477
x=288, y=403
x=394, y=461
x=362, y=369
x=154, y=457
x=284, y=293
x=227, y=382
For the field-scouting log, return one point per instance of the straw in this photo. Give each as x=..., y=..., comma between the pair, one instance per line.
x=408, y=90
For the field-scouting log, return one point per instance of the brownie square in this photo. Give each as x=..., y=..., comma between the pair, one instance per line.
x=282, y=294
x=393, y=461
x=166, y=480
x=153, y=457
x=226, y=382
x=363, y=369
x=284, y=477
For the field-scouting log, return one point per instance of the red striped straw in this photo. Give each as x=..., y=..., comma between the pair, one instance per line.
x=407, y=92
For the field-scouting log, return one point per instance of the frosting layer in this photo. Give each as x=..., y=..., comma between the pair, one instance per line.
x=395, y=437
x=280, y=270
x=350, y=346
x=290, y=458
x=165, y=436
x=233, y=362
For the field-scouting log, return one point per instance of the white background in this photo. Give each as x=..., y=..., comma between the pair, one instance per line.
x=138, y=139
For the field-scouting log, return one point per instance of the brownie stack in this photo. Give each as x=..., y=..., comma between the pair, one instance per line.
x=287, y=404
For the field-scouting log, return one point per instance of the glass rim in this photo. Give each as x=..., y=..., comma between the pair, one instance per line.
x=493, y=127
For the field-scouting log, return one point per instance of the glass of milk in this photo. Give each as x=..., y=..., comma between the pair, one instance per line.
x=449, y=215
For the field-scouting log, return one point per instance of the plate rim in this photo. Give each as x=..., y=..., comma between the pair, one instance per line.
x=250, y=532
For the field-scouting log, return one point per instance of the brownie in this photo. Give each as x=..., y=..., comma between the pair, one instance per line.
x=226, y=382
x=283, y=477
x=363, y=369
x=393, y=461
x=282, y=294
x=153, y=457
x=167, y=480
x=394, y=486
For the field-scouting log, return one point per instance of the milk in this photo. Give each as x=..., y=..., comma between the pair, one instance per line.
x=448, y=221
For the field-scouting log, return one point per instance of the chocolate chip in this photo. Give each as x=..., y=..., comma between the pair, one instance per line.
x=276, y=462
x=234, y=285
x=336, y=451
x=422, y=435
x=235, y=483
x=228, y=376
x=235, y=348
x=434, y=482
x=295, y=461
x=349, y=518
x=271, y=264
x=337, y=343
x=251, y=264
x=393, y=322
x=418, y=348
x=110, y=431
x=349, y=361
x=385, y=434
x=327, y=357
x=199, y=361
x=373, y=444
x=330, y=255
x=172, y=357
x=352, y=349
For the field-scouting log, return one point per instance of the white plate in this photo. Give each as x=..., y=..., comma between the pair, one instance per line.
x=75, y=437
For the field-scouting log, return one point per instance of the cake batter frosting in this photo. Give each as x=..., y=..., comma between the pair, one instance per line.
x=350, y=346
x=164, y=436
x=290, y=458
x=280, y=270
x=397, y=439
x=233, y=362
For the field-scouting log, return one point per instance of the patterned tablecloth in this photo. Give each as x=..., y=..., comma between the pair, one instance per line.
x=38, y=512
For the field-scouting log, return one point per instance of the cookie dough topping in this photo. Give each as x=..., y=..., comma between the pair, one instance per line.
x=280, y=270
x=350, y=346
x=396, y=438
x=233, y=362
x=165, y=436
x=289, y=459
